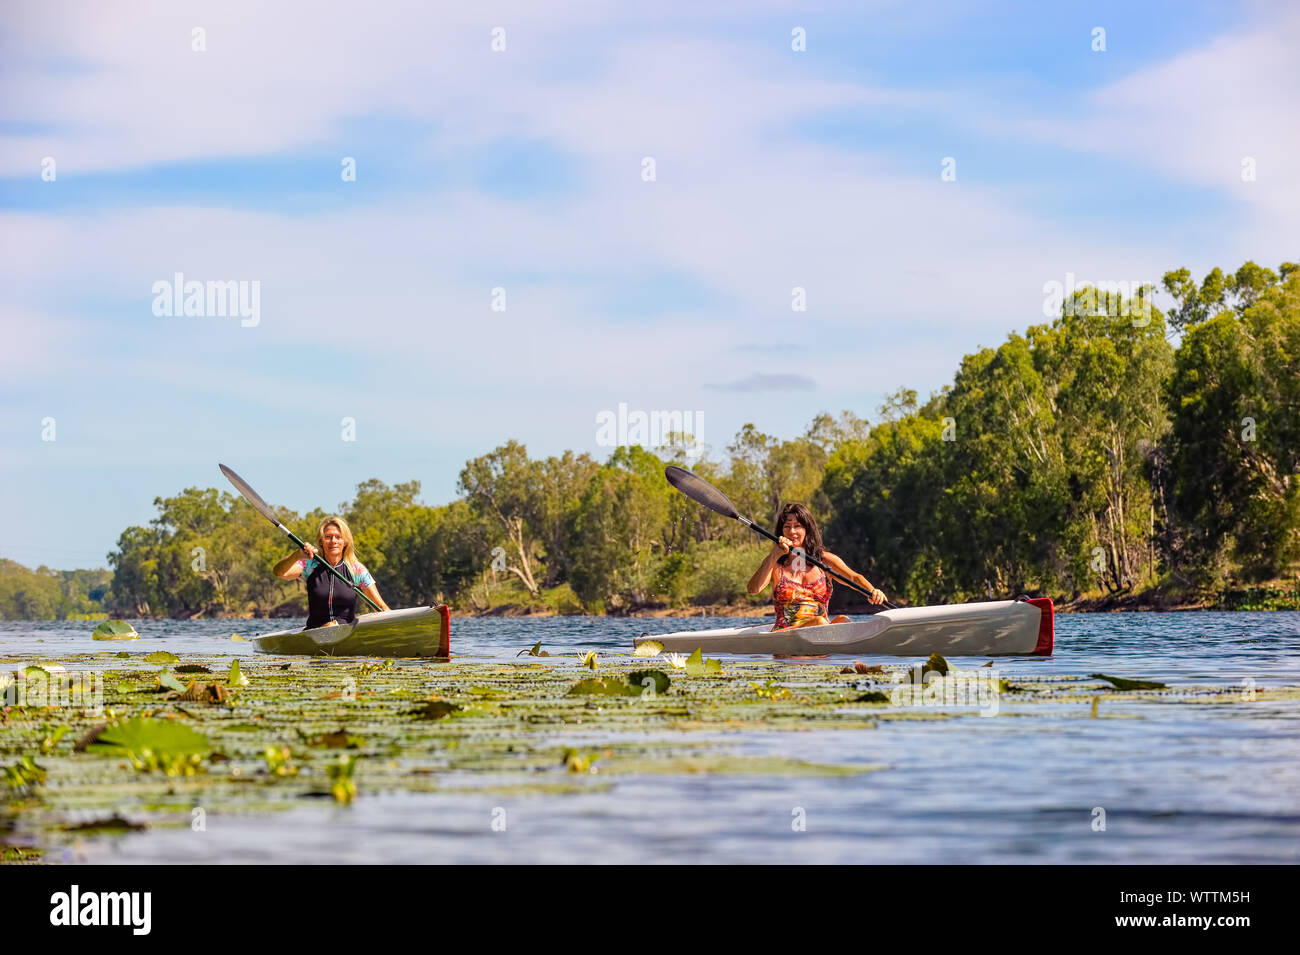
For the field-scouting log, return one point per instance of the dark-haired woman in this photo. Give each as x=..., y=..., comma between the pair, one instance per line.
x=801, y=591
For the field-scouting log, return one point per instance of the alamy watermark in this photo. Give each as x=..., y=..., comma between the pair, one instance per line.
x=36, y=687
x=1123, y=299
x=651, y=429
x=916, y=687
x=212, y=299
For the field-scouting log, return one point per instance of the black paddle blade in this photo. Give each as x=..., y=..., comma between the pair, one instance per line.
x=698, y=489
x=251, y=496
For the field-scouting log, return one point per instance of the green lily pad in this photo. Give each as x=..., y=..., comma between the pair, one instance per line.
x=1120, y=683
x=154, y=744
x=162, y=656
x=236, y=678
x=696, y=665
x=115, y=630
x=872, y=696
x=603, y=686
x=168, y=682
x=433, y=710
x=641, y=679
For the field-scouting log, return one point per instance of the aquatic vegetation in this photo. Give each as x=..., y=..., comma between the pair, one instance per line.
x=872, y=696
x=204, y=693
x=168, y=682
x=113, y=824
x=534, y=651
x=576, y=762
x=517, y=727
x=379, y=667
x=342, y=785
x=115, y=630
x=339, y=739
x=153, y=744
x=696, y=665
x=676, y=661
x=235, y=677
x=24, y=775
x=601, y=686
x=434, y=710
x=162, y=656
x=770, y=690
x=52, y=738
x=650, y=648
x=279, y=761
x=1120, y=683
x=862, y=668
x=644, y=680
x=589, y=659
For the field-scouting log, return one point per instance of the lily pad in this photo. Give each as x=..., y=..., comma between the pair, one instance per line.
x=111, y=824
x=168, y=682
x=339, y=739
x=162, y=656
x=641, y=679
x=603, y=686
x=154, y=744
x=433, y=710
x=115, y=630
x=204, y=693
x=1120, y=683
x=696, y=665
x=236, y=678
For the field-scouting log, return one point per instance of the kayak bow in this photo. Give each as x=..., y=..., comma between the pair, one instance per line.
x=993, y=628
x=415, y=632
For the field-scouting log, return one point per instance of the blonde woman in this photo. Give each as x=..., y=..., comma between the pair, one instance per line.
x=329, y=600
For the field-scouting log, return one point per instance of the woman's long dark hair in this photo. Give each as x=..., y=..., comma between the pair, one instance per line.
x=812, y=536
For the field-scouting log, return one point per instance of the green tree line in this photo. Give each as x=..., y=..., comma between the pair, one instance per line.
x=1087, y=456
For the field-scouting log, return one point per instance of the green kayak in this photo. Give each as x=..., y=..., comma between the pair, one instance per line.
x=415, y=632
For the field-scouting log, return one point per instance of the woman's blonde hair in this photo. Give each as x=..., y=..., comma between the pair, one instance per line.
x=349, y=551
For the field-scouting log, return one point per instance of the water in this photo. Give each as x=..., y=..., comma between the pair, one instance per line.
x=1177, y=782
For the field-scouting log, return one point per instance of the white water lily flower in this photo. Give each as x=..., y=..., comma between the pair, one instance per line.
x=650, y=648
x=677, y=660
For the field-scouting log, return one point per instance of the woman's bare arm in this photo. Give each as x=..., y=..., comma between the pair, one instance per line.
x=373, y=593
x=288, y=567
x=763, y=576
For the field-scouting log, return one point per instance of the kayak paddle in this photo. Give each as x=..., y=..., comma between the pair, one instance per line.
x=701, y=491
x=259, y=505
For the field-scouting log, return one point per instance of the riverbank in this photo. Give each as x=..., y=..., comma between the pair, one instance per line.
x=1269, y=597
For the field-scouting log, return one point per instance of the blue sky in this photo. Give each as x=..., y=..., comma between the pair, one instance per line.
x=522, y=170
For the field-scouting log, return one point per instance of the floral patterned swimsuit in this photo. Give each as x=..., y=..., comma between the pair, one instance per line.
x=797, y=601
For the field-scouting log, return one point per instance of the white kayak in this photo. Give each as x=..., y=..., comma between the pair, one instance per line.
x=416, y=632
x=993, y=628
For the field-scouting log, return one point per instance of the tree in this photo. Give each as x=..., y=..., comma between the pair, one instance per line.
x=1234, y=445
x=502, y=487
x=618, y=529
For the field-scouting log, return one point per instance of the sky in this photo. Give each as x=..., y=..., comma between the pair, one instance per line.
x=503, y=155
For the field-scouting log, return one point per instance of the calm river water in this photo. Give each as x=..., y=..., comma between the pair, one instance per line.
x=1179, y=782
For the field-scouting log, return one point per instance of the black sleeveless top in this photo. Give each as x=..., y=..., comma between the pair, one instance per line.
x=328, y=598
